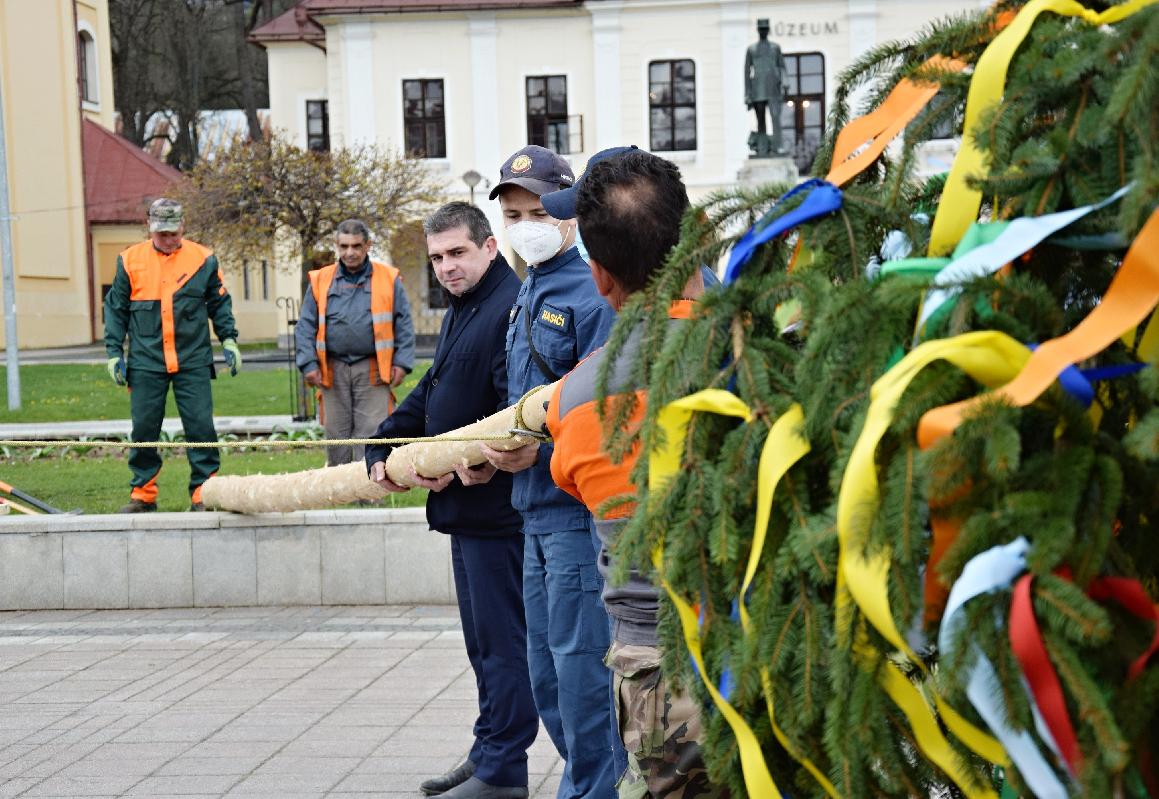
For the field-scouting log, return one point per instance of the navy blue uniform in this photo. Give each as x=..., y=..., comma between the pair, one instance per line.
x=466, y=382
x=567, y=627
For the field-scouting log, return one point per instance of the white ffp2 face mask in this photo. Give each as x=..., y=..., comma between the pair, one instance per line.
x=535, y=241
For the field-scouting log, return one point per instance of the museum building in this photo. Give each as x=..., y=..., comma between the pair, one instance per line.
x=464, y=83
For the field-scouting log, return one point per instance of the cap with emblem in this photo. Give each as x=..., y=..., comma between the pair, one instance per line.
x=536, y=169
x=165, y=216
x=561, y=204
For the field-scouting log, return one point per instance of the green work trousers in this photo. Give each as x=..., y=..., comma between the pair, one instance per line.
x=191, y=390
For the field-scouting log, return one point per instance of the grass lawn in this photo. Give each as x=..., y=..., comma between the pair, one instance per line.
x=99, y=482
x=79, y=392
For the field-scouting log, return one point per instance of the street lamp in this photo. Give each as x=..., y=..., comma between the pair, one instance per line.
x=472, y=178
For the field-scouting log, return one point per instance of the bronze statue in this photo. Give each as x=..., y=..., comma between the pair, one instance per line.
x=764, y=75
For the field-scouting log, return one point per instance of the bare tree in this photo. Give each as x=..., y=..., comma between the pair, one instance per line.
x=248, y=195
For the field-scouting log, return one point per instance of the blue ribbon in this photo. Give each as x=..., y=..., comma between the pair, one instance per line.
x=824, y=198
x=1079, y=383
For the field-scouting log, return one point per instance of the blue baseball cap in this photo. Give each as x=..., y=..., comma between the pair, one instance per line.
x=535, y=168
x=561, y=204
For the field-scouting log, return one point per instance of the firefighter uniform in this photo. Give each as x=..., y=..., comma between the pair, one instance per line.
x=163, y=303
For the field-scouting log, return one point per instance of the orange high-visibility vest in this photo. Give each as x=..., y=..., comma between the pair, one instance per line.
x=153, y=275
x=382, y=277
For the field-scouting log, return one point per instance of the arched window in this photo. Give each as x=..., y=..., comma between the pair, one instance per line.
x=86, y=59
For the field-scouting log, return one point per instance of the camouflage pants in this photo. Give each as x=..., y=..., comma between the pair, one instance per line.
x=659, y=728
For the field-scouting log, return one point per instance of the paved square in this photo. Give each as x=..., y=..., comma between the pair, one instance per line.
x=288, y=702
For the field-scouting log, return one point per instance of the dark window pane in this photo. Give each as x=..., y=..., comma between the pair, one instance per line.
x=536, y=87
x=412, y=90
x=537, y=106
x=685, y=93
x=433, y=89
x=685, y=129
x=413, y=109
x=812, y=109
x=685, y=69
x=414, y=137
x=661, y=129
x=433, y=108
x=659, y=71
x=436, y=147
x=660, y=94
x=558, y=138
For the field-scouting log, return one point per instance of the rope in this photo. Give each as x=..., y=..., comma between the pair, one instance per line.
x=279, y=443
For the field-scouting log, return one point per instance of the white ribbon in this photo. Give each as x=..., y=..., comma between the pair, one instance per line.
x=995, y=570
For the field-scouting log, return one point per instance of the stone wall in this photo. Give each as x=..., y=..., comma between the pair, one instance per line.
x=164, y=560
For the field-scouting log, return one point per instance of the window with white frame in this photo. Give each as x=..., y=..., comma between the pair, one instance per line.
x=86, y=60
x=672, y=105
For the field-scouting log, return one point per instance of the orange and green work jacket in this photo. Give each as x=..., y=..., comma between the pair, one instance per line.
x=383, y=278
x=163, y=303
x=580, y=466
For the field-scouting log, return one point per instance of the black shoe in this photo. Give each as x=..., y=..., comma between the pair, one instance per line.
x=197, y=507
x=138, y=506
x=456, y=776
x=475, y=788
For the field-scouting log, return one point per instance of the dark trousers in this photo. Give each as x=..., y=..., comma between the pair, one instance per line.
x=191, y=390
x=489, y=587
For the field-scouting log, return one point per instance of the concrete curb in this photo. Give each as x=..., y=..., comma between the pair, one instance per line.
x=172, y=560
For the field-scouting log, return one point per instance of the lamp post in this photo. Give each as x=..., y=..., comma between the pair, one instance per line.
x=472, y=178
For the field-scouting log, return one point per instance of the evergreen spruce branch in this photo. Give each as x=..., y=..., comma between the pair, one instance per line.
x=1062, y=607
x=1110, y=748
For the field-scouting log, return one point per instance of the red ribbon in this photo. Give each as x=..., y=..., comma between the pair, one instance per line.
x=1026, y=641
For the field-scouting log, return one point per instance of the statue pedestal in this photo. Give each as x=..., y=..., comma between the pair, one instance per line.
x=761, y=171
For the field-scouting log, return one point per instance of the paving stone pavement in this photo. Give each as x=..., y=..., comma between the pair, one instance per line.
x=299, y=703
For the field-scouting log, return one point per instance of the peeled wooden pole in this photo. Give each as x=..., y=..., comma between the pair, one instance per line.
x=341, y=485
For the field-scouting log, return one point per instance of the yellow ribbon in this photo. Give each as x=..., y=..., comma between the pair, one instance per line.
x=993, y=359
x=959, y=205
x=663, y=463
x=783, y=447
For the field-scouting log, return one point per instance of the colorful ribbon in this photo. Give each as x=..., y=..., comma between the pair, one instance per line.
x=1017, y=237
x=1132, y=295
x=960, y=203
x=662, y=464
x=990, y=571
x=823, y=198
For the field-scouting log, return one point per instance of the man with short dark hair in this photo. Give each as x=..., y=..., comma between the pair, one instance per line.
x=354, y=339
x=467, y=381
x=556, y=320
x=629, y=205
x=165, y=292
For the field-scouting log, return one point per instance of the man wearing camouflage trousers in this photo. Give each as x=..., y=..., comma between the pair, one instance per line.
x=629, y=205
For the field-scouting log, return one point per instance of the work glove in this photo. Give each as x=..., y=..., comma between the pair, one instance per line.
x=116, y=367
x=232, y=355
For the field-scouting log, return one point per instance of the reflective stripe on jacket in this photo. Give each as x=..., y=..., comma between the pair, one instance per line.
x=581, y=466
x=169, y=297
x=382, y=277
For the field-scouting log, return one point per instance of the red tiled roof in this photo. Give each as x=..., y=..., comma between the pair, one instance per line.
x=120, y=179
x=293, y=25
x=297, y=24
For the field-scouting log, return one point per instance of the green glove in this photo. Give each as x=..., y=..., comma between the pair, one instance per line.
x=232, y=355
x=116, y=367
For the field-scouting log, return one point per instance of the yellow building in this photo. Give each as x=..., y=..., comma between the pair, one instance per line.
x=78, y=193
x=55, y=70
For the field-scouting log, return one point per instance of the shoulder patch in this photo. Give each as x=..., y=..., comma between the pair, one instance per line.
x=554, y=317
